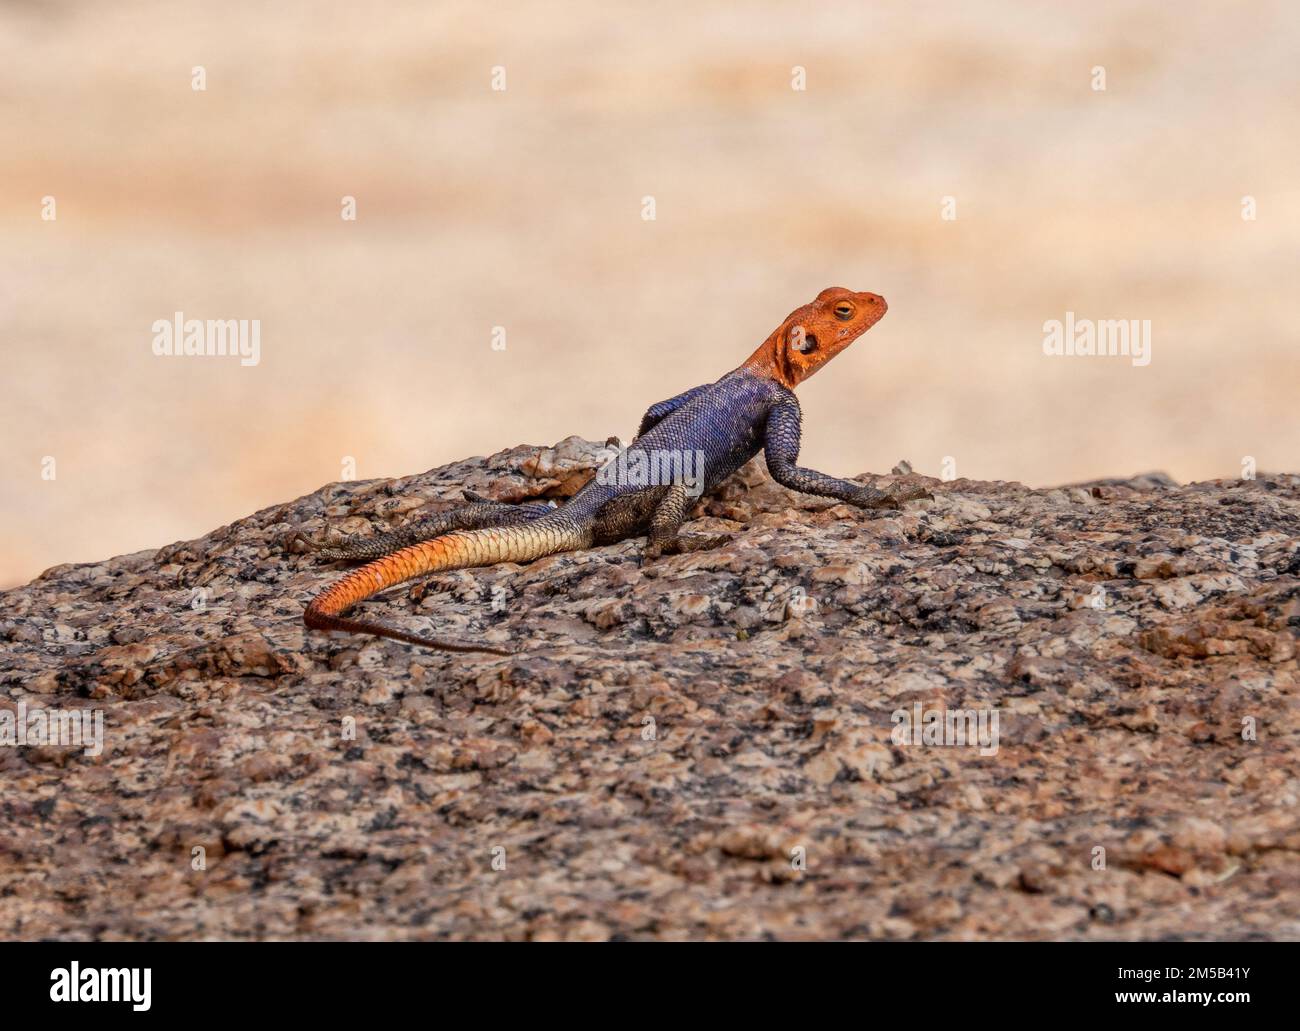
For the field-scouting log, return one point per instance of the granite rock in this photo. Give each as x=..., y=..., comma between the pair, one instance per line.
x=1002, y=713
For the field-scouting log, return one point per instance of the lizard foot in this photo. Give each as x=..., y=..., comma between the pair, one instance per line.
x=912, y=494
x=877, y=502
x=332, y=547
x=684, y=543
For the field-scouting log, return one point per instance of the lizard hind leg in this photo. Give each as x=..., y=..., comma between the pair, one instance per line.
x=665, y=537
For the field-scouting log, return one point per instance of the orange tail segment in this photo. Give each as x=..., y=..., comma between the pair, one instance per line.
x=463, y=549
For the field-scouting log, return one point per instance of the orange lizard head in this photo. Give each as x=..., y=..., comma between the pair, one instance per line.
x=814, y=334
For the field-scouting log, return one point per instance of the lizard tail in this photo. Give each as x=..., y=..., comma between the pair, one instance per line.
x=462, y=549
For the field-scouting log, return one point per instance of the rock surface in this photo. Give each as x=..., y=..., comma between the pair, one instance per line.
x=704, y=746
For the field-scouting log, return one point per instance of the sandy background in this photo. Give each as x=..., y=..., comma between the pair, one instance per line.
x=522, y=209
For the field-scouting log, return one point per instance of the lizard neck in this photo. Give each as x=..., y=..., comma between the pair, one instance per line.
x=769, y=361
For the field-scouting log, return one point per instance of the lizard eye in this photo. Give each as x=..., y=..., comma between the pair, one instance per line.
x=844, y=311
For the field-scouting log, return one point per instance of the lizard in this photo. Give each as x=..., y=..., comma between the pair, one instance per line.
x=725, y=423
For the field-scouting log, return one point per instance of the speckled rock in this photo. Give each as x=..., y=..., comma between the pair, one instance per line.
x=714, y=745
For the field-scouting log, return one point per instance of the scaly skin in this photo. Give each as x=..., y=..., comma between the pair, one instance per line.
x=751, y=409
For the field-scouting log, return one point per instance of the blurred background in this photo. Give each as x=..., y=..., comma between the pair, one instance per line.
x=523, y=208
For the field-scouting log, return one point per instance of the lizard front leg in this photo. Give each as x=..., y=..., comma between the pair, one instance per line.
x=479, y=514
x=781, y=441
x=656, y=413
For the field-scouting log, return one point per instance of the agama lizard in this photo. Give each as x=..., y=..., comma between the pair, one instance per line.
x=725, y=423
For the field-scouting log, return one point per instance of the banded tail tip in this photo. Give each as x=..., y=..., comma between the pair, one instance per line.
x=315, y=619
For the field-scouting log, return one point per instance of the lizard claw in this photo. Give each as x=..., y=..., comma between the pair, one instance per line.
x=300, y=537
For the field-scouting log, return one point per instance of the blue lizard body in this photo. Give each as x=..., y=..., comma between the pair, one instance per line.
x=686, y=446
